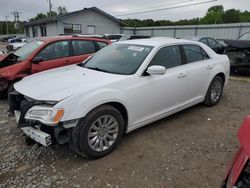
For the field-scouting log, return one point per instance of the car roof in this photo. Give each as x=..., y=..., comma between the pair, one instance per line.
x=158, y=41
x=70, y=37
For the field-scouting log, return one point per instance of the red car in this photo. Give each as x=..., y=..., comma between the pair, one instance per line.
x=45, y=53
x=238, y=174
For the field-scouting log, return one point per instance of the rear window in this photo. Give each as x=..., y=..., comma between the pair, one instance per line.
x=194, y=53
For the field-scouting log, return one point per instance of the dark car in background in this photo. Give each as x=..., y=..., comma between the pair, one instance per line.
x=211, y=42
x=45, y=53
x=239, y=53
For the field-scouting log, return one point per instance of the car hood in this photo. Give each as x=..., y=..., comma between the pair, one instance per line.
x=58, y=84
x=238, y=43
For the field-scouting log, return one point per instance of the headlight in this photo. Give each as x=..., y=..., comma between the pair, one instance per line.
x=45, y=115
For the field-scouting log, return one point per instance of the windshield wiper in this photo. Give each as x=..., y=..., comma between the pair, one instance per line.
x=97, y=69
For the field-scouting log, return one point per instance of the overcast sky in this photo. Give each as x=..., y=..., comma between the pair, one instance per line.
x=30, y=8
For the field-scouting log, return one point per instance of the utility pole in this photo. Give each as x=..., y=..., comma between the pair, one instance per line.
x=50, y=7
x=16, y=19
x=7, y=26
x=16, y=15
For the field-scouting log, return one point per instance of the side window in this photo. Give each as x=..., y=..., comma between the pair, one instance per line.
x=205, y=56
x=81, y=47
x=212, y=43
x=101, y=44
x=168, y=57
x=55, y=50
x=204, y=41
x=194, y=53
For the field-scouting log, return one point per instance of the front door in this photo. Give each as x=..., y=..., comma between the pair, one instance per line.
x=54, y=55
x=156, y=95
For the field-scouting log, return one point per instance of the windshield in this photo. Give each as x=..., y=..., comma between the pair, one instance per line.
x=27, y=49
x=119, y=58
x=246, y=36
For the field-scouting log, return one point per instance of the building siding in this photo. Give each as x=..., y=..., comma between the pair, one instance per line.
x=219, y=31
x=102, y=23
x=51, y=29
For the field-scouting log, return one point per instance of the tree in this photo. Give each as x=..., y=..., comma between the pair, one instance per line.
x=217, y=8
x=62, y=10
x=231, y=16
x=52, y=13
x=39, y=16
x=214, y=15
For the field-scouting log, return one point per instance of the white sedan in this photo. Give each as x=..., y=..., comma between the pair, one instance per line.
x=124, y=86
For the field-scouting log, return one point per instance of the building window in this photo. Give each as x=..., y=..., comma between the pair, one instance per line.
x=91, y=29
x=34, y=31
x=72, y=28
x=43, y=30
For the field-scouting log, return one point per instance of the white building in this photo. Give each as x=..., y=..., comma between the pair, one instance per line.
x=86, y=21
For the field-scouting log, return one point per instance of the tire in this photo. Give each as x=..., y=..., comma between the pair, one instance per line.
x=92, y=141
x=212, y=96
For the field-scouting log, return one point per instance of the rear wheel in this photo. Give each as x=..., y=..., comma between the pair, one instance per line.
x=98, y=133
x=214, y=91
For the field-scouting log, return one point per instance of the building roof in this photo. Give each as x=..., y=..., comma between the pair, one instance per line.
x=59, y=17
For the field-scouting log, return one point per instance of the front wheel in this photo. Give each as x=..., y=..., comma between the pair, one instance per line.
x=98, y=133
x=214, y=92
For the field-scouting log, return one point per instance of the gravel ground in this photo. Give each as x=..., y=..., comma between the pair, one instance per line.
x=189, y=149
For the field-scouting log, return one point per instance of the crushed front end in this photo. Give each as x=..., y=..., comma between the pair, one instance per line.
x=39, y=120
x=240, y=58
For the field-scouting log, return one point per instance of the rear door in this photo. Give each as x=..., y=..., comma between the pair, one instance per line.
x=54, y=55
x=198, y=66
x=82, y=49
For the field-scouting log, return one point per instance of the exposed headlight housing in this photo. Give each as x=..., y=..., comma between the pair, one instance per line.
x=45, y=114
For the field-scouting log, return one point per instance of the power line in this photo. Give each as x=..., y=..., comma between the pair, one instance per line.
x=168, y=8
x=159, y=5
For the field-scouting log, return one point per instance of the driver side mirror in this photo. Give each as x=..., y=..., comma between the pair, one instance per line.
x=37, y=60
x=156, y=70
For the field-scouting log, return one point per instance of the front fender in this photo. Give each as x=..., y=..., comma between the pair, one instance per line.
x=236, y=168
x=79, y=105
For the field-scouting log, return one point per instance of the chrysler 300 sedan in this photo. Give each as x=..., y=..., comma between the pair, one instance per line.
x=122, y=87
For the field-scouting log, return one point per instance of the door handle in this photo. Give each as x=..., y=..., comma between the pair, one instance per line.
x=210, y=67
x=181, y=75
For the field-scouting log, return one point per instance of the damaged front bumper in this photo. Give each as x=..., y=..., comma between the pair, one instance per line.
x=41, y=133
